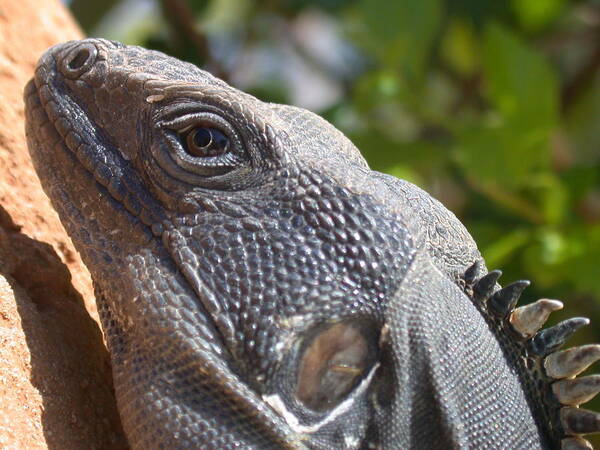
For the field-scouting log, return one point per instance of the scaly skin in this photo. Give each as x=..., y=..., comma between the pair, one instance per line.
x=277, y=295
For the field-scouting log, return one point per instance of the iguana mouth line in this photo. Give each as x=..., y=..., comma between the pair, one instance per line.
x=77, y=145
x=62, y=111
x=88, y=164
x=76, y=149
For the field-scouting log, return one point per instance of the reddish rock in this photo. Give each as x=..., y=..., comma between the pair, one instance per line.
x=55, y=384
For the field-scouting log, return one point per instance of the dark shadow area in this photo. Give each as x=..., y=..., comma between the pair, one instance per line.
x=70, y=365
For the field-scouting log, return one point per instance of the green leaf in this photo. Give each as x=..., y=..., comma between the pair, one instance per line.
x=582, y=124
x=504, y=154
x=552, y=196
x=404, y=172
x=509, y=146
x=520, y=82
x=400, y=33
x=536, y=14
x=570, y=257
x=460, y=48
x=503, y=250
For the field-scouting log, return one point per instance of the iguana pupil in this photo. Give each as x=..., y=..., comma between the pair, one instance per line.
x=205, y=142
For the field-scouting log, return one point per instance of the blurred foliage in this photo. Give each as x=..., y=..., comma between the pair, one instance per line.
x=493, y=107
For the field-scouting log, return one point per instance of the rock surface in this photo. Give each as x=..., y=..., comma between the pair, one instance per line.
x=55, y=383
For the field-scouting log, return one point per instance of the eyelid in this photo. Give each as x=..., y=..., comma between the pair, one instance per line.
x=188, y=121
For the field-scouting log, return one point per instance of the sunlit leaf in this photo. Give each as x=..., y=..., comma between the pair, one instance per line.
x=552, y=196
x=568, y=257
x=400, y=33
x=505, y=154
x=404, y=172
x=503, y=249
x=583, y=124
x=536, y=14
x=460, y=47
x=515, y=143
x=520, y=82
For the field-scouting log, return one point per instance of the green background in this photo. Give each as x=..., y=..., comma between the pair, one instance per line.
x=491, y=106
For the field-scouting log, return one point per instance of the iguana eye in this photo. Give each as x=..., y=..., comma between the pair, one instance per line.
x=200, y=146
x=203, y=142
x=332, y=364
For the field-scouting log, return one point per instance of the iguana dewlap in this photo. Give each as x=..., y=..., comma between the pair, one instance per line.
x=260, y=287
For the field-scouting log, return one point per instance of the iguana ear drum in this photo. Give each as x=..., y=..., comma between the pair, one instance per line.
x=333, y=363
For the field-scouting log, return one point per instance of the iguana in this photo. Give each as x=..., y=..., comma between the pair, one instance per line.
x=260, y=287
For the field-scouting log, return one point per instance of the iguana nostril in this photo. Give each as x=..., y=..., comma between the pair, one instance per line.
x=79, y=59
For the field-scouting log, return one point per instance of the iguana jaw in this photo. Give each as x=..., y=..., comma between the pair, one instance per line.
x=70, y=139
x=144, y=265
x=74, y=164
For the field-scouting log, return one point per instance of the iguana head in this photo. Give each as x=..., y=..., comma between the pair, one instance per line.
x=260, y=287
